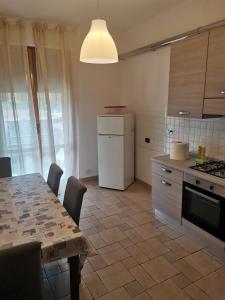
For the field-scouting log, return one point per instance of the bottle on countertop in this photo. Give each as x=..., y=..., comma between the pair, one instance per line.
x=201, y=155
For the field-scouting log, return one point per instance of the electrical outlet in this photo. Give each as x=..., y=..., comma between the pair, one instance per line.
x=147, y=140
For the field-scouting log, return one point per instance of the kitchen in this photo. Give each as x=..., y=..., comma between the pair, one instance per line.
x=162, y=236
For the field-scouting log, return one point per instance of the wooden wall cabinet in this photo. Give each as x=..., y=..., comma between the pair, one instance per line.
x=214, y=103
x=215, y=75
x=187, y=77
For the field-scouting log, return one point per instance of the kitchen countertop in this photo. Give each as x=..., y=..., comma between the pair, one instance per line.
x=184, y=166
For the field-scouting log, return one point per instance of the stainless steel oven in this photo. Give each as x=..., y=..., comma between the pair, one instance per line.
x=204, y=205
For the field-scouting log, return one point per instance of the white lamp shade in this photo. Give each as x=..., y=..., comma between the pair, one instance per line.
x=98, y=46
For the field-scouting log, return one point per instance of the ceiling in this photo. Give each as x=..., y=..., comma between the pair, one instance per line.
x=120, y=14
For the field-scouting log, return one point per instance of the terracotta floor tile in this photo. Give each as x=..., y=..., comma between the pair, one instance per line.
x=181, y=281
x=163, y=237
x=191, y=273
x=115, y=276
x=113, y=235
x=113, y=253
x=213, y=285
x=119, y=294
x=126, y=242
x=134, y=288
x=95, y=285
x=170, y=256
x=111, y=221
x=160, y=269
x=152, y=247
x=137, y=254
x=143, y=217
x=143, y=296
x=97, y=262
x=142, y=277
x=134, y=236
x=170, y=232
x=124, y=227
x=147, y=231
x=97, y=241
x=188, y=244
x=167, y=291
x=196, y=293
x=87, y=268
x=129, y=263
x=202, y=262
x=179, y=251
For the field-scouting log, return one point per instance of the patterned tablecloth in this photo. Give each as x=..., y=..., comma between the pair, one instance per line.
x=30, y=211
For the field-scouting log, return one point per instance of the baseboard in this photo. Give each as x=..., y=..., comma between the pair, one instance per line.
x=91, y=178
x=143, y=182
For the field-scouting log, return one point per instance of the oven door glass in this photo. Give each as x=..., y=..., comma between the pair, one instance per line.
x=203, y=209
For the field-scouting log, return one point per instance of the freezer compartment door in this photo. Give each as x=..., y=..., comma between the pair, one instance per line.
x=110, y=125
x=111, y=161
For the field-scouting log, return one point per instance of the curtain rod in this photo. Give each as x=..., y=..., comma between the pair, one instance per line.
x=173, y=39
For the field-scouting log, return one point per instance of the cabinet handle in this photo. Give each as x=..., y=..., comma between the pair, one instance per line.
x=166, y=170
x=165, y=183
x=183, y=113
x=222, y=92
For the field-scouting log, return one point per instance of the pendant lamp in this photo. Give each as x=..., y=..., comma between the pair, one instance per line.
x=98, y=46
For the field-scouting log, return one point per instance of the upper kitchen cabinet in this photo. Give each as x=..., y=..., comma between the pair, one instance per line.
x=187, y=77
x=215, y=76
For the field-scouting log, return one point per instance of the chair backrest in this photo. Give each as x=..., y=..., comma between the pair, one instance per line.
x=54, y=175
x=20, y=272
x=5, y=167
x=73, y=198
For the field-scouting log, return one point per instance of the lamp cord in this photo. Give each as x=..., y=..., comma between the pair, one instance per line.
x=98, y=8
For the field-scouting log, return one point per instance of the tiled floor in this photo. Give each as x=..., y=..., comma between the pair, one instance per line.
x=138, y=257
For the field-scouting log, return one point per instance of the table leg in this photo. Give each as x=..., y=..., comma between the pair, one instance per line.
x=74, y=263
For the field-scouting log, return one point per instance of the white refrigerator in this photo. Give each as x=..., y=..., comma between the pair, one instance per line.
x=115, y=150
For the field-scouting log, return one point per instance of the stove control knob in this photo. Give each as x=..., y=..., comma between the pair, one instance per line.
x=197, y=181
x=211, y=187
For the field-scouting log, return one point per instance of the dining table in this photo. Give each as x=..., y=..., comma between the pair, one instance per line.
x=30, y=211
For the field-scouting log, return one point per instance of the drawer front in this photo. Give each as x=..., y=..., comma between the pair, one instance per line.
x=167, y=172
x=167, y=197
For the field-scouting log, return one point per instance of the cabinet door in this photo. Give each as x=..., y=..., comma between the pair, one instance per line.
x=215, y=76
x=187, y=77
x=167, y=197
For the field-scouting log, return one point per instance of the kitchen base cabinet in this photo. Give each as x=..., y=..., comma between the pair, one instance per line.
x=167, y=190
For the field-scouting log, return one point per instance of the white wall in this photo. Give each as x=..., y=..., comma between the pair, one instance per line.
x=99, y=85
x=145, y=91
x=145, y=77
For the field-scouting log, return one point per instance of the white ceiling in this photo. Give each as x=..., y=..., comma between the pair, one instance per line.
x=120, y=14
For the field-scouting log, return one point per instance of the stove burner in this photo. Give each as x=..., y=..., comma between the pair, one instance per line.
x=213, y=167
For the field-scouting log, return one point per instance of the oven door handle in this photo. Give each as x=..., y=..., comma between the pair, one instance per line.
x=202, y=195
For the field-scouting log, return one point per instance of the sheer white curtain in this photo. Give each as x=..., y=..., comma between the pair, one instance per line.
x=55, y=93
x=18, y=134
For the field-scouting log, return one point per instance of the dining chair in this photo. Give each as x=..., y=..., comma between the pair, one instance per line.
x=5, y=167
x=54, y=175
x=72, y=202
x=20, y=272
x=73, y=198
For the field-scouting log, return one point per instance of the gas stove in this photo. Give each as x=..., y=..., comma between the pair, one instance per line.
x=212, y=167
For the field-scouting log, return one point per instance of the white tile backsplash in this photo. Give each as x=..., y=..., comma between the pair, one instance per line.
x=207, y=132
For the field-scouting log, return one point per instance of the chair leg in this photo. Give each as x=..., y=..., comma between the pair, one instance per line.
x=75, y=277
